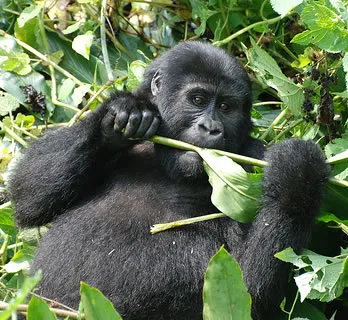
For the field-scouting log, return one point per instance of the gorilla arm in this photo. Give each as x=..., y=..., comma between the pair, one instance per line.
x=60, y=168
x=293, y=183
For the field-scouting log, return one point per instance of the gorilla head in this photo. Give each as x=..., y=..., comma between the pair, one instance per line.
x=203, y=96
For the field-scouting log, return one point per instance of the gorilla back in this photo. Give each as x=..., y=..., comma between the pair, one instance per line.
x=103, y=191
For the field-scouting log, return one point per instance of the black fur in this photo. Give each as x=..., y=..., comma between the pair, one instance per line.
x=104, y=192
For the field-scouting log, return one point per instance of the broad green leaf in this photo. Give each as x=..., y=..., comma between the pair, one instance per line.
x=82, y=44
x=96, y=306
x=236, y=193
x=39, y=310
x=28, y=285
x=8, y=103
x=325, y=277
x=225, y=295
x=267, y=68
x=283, y=7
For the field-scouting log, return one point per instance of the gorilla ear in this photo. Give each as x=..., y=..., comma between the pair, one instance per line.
x=156, y=83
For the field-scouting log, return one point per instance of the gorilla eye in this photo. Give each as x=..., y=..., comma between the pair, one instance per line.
x=198, y=101
x=224, y=106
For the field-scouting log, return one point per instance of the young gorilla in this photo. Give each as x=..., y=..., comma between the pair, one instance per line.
x=104, y=191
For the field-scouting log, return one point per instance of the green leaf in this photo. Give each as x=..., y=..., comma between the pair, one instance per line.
x=28, y=285
x=8, y=103
x=329, y=217
x=135, y=74
x=336, y=200
x=96, y=306
x=39, y=310
x=18, y=63
x=29, y=13
x=326, y=277
x=327, y=29
x=325, y=39
x=236, y=193
x=20, y=261
x=24, y=121
x=284, y=7
x=225, y=295
x=12, y=83
x=82, y=44
x=201, y=11
x=266, y=67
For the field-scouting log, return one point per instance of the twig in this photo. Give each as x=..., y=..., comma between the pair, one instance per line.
x=165, y=226
x=240, y=32
x=58, y=312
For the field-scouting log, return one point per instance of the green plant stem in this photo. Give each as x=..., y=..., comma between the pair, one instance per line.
x=289, y=128
x=235, y=157
x=274, y=123
x=13, y=135
x=293, y=305
x=240, y=32
x=189, y=147
x=58, y=312
x=165, y=226
x=103, y=40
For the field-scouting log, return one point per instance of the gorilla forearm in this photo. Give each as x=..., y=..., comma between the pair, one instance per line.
x=293, y=183
x=57, y=170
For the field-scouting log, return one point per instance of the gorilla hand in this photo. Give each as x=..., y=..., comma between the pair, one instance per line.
x=127, y=117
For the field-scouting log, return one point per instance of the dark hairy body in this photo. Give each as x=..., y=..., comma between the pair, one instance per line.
x=103, y=192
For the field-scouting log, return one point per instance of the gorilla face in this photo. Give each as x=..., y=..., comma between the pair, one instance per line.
x=203, y=97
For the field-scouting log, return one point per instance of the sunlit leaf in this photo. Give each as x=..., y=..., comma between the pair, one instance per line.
x=82, y=44
x=236, y=193
x=95, y=305
x=267, y=68
x=325, y=277
x=283, y=7
x=39, y=310
x=225, y=295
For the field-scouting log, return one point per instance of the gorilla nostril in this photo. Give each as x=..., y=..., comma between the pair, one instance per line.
x=215, y=132
x=205, y=129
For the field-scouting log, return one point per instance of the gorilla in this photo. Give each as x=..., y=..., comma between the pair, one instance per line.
x=102, y=187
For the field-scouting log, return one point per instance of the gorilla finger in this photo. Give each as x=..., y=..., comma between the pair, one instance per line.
x=120, y=121
x=152, y=130
x=107, y=124
x=132, y=125
x=146, y=120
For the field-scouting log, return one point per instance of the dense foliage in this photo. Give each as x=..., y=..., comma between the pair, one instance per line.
x=60, y=59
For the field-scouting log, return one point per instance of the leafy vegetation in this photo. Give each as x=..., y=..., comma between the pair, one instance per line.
x=60, y=60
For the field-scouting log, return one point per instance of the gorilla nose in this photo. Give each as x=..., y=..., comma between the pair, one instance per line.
x=209, y=128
